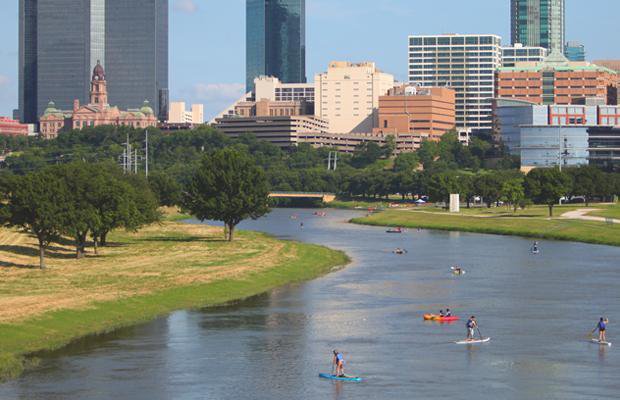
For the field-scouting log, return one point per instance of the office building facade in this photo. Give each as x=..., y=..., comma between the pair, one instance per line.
x=539, y=23
x=347, y=95
x=276, y=40
x=575, y=51
x=604, y=147
x=517, y=53
x=464, y=63
x=178, y=114
x=410, y=109
x=553, y=146
x=61, y=41
x=557, y=81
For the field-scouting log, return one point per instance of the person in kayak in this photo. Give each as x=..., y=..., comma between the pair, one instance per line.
x=535, y=248
x=601, y=327
x=448, y=313
x=339, y=363
x=441, y=314
x=472, y=324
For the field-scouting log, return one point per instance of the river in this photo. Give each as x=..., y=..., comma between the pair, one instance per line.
x=538, y=309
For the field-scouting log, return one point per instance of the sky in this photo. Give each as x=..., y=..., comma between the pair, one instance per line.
x=207, y=38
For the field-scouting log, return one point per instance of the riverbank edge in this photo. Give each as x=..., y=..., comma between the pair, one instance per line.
x=20, y=342
x=523, y=232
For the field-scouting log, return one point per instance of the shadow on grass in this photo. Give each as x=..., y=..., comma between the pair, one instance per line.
x=189, y=239
x=5, y=264
x=52, y=252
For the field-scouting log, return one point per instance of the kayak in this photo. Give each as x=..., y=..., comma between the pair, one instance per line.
x=394, y=231
x=340, y=378
x=601, y=343
x=433, y=317
x=475, y=341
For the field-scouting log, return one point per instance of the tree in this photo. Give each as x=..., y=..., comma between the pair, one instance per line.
x=227, y=187
x=366, y=153
x=489, y=186
x=406, y=162
x=588, y=181
x=513, y=192
x=167, y=190
x=547, y=186
x=37, y=203
x=442, y=185
x=389, y=147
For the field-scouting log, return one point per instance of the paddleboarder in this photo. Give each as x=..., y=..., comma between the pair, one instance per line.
x=601, y=327
x=472, y=324
x=339, y=363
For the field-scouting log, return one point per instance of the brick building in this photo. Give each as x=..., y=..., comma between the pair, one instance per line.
x=97, y=112
x=410, y=109
x=557, y=81
x=11, y=127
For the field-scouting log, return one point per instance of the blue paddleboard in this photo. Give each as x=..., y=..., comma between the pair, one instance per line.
x=340, y=378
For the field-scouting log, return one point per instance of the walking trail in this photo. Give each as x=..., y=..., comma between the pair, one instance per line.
x=582, y=214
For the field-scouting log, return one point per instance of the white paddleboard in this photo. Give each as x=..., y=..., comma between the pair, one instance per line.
x=601, y=343
x=475, y=341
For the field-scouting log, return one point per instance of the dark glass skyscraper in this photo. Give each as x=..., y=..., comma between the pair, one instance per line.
x=538, y=23
x=276, y=40
x=61, y=41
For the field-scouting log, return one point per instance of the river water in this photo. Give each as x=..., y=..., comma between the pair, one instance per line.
x=538, y=309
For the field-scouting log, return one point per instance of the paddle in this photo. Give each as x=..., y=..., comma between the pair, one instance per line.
x=479, y=333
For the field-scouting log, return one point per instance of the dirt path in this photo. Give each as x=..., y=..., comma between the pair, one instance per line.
x=582, y=214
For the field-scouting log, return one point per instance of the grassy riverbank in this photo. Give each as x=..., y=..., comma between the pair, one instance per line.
x=140, y=276
x=531, y=222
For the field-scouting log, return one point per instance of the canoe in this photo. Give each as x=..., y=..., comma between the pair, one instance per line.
x=433, y=317
x=340, y=378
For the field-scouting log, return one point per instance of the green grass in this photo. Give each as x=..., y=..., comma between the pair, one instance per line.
x=612, y=211
x=56, y=329
x=530, y=223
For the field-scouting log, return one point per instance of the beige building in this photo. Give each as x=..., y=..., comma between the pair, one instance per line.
x=347, y=96
x=180, y=115
x=270, y=88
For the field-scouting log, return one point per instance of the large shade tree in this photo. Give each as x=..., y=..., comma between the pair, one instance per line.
x=547, y=186
x=227, y=187
x=37, y=203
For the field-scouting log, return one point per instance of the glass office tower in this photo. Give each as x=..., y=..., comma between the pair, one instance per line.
x=538, y=23
x=276, y=40
x=575, y=51
x=136, y=47
x=60, y=42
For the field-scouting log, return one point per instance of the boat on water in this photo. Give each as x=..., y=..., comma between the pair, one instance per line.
x=344, y=378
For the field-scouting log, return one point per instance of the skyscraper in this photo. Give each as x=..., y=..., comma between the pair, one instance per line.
x=276, y=40
x=60, y=42
x=465, y=63
x=575, y=51
x=538, y=23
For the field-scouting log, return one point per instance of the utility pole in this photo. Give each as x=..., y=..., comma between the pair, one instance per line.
x=335, y=160
x=329, y=161
x=135, y=164
x=146, y=152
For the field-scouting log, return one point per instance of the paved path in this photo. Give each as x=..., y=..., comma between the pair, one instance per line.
x=582, y=214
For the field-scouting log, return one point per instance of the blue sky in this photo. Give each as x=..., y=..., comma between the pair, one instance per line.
x=207, y=38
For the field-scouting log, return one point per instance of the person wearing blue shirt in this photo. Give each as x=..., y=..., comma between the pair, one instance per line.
x=339, y=363
x=601, y=327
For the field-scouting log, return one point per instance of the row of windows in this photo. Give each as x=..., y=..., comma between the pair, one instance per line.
x=453, y=40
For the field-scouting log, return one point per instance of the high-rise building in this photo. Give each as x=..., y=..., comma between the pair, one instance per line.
x=276, y=40
x=61, y=41
x=180, y=115
x=347, y=95
x=538, y=23
x=465, y=63
x=575, y=51
x=519, y=53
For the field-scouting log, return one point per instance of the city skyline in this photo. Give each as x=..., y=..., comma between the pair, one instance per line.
x=213, y=71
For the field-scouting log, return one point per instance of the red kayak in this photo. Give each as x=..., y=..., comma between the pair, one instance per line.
x=434, y=317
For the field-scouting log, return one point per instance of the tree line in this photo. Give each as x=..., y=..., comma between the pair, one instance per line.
x=77, y=200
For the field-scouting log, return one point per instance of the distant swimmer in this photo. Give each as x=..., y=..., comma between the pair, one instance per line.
x=400, y=251
x=601, y=327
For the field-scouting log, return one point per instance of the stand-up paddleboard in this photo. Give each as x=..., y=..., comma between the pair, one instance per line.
x=475, y=341
x=340, y=378
x=601, y=343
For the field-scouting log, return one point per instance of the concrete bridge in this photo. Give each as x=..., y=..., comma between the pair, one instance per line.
x=325, y=197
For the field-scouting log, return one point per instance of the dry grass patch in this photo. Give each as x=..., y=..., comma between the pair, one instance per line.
x=157, y=258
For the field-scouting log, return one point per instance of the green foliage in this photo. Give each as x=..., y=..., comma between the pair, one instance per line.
x=167, y=190
x=589, y=181
x=513, y=193
x=228, y=187
x=366, y=153
x=406, y=162
x=547, y=186
x=37, y=203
